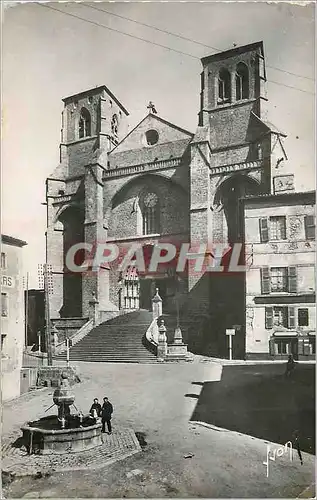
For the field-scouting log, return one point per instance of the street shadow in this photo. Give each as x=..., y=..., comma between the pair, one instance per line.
x=260, y=401
x=198, y=383
x=195, y=396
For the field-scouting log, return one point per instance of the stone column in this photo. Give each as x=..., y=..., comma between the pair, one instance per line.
x=162, y=342
x=94, y=309
x=157, y=305
x=200, y=221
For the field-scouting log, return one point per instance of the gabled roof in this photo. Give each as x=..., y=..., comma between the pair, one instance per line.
x=191, y=134
x=96, y=90
x=269, y=125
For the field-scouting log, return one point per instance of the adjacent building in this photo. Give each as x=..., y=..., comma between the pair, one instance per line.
x=12, y=315
x=280, y=284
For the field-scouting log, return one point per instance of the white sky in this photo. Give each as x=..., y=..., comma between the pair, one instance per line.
x=48, y=56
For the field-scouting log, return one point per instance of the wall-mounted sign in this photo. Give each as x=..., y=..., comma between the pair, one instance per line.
x=283, y=183
x=7, y=281
x=230, y=331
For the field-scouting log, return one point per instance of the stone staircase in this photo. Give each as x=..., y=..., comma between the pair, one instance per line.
x=119, y=340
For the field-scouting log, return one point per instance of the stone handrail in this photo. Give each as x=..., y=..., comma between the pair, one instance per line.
x=80, y=334
x=143, y=167
x=152, y=333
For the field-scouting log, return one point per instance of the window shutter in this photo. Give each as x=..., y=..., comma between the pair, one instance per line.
x=309, y=227
x=291, y=317
x=264, y=230
x=292, y=279
x=268, y=318
x=265, y=280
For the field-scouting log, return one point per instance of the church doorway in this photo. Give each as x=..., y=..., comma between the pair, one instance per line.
x=148, y=288
x=228, y=197
x=137, y=291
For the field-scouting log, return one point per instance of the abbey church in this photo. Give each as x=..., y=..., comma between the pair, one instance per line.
x=159, y=182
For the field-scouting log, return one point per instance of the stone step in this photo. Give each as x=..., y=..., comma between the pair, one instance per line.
x=119, y=339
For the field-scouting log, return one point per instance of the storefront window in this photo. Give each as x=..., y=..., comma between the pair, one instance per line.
x=282, y=347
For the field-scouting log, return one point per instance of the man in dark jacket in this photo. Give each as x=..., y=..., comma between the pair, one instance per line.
x=95, y=406
x=290, y=366
x=106, y=413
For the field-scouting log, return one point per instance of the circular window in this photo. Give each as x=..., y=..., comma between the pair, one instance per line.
x=150, y=200
x=151, y=137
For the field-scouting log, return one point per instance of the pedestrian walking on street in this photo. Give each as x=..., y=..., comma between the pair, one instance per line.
x=95, y=407
x=106, y=413
x=290, y=365
x=297, y=446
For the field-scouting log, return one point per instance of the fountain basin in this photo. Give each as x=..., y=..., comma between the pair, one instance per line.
x=44, y=436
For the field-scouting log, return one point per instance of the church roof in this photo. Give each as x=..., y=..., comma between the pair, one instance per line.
x=96, y=90
x=156, y=117
x=233, y=52
x=269, y=125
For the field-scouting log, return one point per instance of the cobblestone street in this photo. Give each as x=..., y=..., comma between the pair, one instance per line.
x=178, y=458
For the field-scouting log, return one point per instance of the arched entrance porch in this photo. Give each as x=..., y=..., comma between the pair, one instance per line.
x=72, y=219
x=138, y=288
x=228, y=197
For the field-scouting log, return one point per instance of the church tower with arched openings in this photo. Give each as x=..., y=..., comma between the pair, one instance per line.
x=231, y=157
x=93, y=123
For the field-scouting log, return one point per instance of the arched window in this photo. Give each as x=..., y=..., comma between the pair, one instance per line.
x=84, y=123
x=242, y=82
x=114, y=124
x=150, y=213
x=224, y=86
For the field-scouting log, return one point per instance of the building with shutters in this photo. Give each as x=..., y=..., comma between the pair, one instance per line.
x=280, y=284
x=12, y=316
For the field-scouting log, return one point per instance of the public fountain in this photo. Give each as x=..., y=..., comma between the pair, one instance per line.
x=66, y=432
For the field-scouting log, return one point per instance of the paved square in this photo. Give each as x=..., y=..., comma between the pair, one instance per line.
x=179, y=459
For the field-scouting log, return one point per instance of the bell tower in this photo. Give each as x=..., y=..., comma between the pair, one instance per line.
x=232, y=80
x=232, y=98
x=93, y=122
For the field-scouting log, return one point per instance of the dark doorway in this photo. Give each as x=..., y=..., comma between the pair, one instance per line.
x=146, y=294
x=73, y=222
x=148, y=288
x=228, y=195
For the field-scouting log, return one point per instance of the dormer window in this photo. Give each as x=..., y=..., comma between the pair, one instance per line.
x=224, y=86
x=242, y=82
x=114, y=124
x=84, y=128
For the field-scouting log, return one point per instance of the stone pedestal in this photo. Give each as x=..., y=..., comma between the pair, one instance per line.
x=94, y=309
x=156, y=305
x=177, y=350
x=50, y=376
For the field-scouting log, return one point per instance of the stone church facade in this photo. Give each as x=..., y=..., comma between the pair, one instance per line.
x=159, y=182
